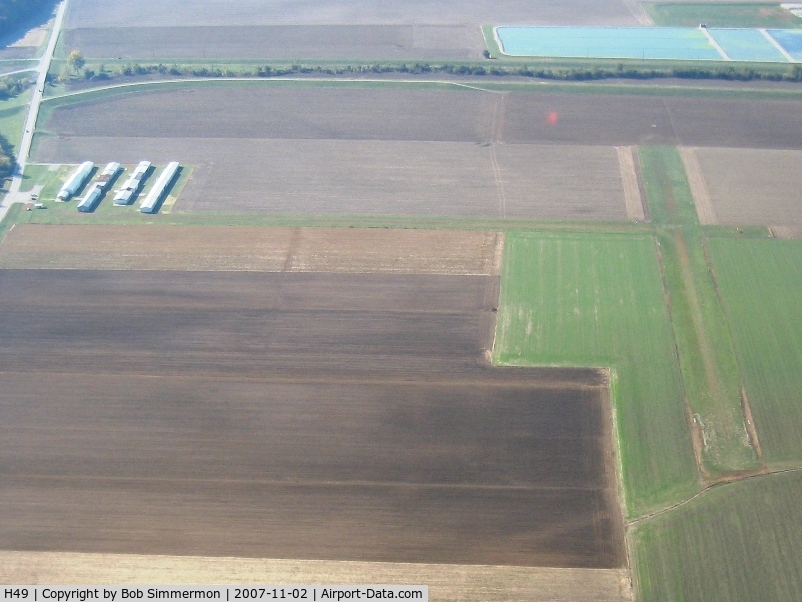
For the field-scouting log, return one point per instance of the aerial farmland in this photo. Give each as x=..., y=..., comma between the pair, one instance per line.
x=386, y=304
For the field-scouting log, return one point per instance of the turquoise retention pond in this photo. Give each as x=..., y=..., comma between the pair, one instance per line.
x=673, y=43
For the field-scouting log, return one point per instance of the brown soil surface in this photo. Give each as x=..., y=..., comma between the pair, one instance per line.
x=627, y=161
x=356, y=42
x=239, y=248
x=272, y=111
x=144, y=13
x=698, y=185
x=335, y=177
x=445, y=581
x=317, y=416
x=754, y=187
x=653, y=120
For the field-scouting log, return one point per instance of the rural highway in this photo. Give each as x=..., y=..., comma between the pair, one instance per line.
x=33, y=110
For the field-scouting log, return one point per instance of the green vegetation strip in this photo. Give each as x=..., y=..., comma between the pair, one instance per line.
x=722, y=15
x=62, y=95
x=760, y=282
x=736, y=542
x=597, y=300
x=710, y=371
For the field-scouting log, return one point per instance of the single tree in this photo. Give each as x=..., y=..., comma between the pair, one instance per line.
x=76, y=60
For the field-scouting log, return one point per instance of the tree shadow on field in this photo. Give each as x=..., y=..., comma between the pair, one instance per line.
x=35, y=14
x=8, y=164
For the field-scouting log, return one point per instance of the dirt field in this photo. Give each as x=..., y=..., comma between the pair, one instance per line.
x=374, y=151
x=221, y=413
x=153, y=13
x=754, y=187
x=291, y=112
x=10, y=53
x=204, y=248
x=364, y=42
x=266, y=110
x=376, y=177
x=445, y=581
x=334, y=29
x=633, y=120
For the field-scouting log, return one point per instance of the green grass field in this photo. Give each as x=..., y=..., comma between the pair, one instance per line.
x=597, y=300
x=12, y=116
x=707, y=358
x=760, y=282
x=722, y=15
x=736, y=542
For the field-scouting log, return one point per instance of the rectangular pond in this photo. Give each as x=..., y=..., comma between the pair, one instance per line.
x=672, y=43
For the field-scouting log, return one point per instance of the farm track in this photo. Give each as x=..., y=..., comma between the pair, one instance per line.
x=696, y=180
x=720, y=483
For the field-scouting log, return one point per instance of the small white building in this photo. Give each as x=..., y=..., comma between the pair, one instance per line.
x=152, y=200
x=132, y=185
x=89, y=201
x=76, y=180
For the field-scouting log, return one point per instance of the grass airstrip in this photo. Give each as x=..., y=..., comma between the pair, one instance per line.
x=700, y=328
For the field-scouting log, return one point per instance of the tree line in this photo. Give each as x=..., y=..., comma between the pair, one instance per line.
x=9, y=87
x=620, y=71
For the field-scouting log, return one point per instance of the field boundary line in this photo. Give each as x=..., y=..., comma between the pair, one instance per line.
x=498, y=254
x=292, y=250
x=696, y=180
x=729, y=481
x=500, y=117
x=293, y=483
x=670, y=118
x=629, y=180
x=502, y=197
x=714, y=44
x=533, y=86
x=308, y=80
x=777, y=45
x=17, y=71
x=542, y=382
x=459, y=85
x=642, y=17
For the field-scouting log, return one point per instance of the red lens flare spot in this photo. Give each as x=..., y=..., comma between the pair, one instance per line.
x=552, y=118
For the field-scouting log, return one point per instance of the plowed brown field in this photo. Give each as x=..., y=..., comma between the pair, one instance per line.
x=754, y=187
x=318, y=416
x=236, y=248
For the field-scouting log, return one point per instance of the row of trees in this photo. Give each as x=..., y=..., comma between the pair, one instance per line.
x=7, y=162
x=9, y=87
x=568, y=73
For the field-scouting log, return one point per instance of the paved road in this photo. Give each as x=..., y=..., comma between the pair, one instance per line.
x=33, y=110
